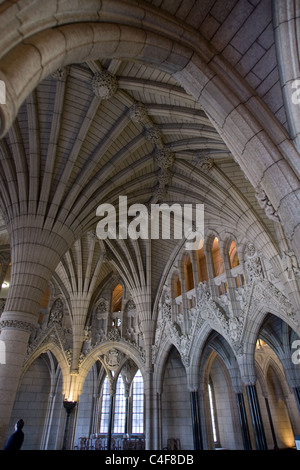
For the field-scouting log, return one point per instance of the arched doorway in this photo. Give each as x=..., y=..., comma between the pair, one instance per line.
x=39, y=403
x=277, y=376
x=175, y=405
x=111, y=409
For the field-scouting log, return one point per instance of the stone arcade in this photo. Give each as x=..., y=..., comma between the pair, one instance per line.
x=141, y=343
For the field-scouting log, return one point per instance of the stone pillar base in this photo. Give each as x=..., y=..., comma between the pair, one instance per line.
x=16, y=328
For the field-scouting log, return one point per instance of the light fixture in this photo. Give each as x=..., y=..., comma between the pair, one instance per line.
x=69, y=407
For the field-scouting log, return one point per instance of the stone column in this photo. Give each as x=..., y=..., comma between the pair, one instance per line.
x=243, y=421
x=69, y=406
x=48, y=421
x=35, y=254
x=158, y=439
x=16, y=328
x=257, y=422
x=296, y=391
x=286, y=34
x=271, y=424
x=111, y=411
x=127, y=411
x=149, y=411
x=197, y=434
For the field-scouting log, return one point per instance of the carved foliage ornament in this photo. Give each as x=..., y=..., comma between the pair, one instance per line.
x=164, y=158
x=153, y=134
x=18, y=325
x=205, y=164
x=104, y=84
x=138, y=113
x=60, y=74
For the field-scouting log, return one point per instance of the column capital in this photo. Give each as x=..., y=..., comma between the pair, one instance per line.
x=18, y=320
x=249, y=381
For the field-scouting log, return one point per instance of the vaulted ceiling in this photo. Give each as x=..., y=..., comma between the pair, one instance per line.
x=96, y=130
x=78, y=150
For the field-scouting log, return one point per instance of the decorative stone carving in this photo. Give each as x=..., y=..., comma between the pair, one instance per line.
x=130, y=305
x=169, y=329
x=153, y=134
x=205, y=164
x=114, y=335
x=87, y=334
x=53, y=334
x=138, y=113
x=164, y=177
x=113, y=359
x=18, y=325
x=254, y=269
x=257, y=294
x=241, y=296
x=159, y=193
x=230, y=327
x=266, y=291
x=250, y=250
x=57, y=312
x=92, y=235
x=203, y=160
x=69, y=356
x=132, y=334
x=100, y=335
x=265, y=204
x=104, y=84
x=290, y=265
x=101, y=308
x=2, y=305
x=164, y=158
x=60, y=74
x=235, y=328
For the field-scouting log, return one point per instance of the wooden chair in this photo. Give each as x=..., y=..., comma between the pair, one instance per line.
x=140, y=444
x=84, y=443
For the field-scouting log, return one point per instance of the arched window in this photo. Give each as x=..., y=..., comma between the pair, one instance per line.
x=138, y=404
x=188, y=271
x=217, y=260
x=177, y=286
x=213, y=414
x=122, y=413
x=116, y=299
x=116, y=306
x=233, y=255
x=201, y=264
x=2, y=352
x=120, y=408
x=105, y=408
